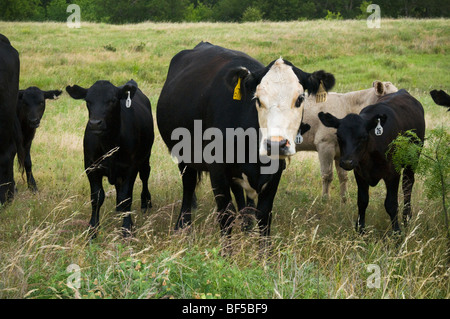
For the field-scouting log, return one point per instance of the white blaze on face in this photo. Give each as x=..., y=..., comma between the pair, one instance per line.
x=279, y=117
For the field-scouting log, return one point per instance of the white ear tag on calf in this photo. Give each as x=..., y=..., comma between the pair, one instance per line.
x=379, y=129
x=299, y=138
x=128, y=102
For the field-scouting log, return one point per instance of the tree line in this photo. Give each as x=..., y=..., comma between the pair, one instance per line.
x=134, y=11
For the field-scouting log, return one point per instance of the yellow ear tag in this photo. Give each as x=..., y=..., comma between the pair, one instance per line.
x=321, y=95
x=237, y=91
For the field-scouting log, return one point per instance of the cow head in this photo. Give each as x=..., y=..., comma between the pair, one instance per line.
x=103, y=102
x=278, y=93
x=352, y=135
x=32, y=104
x=383, y=88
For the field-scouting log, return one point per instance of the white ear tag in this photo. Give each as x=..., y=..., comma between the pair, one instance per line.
x=299, y=137
x=128, y=102
x=379, y=129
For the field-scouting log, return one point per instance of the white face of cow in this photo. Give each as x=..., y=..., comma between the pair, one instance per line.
x=279, y=101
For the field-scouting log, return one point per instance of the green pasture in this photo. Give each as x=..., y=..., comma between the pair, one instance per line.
x=315, y=250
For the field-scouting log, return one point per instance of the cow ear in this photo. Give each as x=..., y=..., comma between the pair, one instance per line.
x=329, y=120
x=304, y=127
x=77, y=92
x=311, y=81
x=373, y=122
x=52, y=95
x=131, y=87
x=379, y=87
x=237, y=81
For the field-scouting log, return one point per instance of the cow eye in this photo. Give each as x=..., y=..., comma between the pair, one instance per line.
x=300, y=100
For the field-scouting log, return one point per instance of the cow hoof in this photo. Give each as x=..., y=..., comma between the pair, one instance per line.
x=126, y=233
x=33, y=189
x=92, y=233
x=146, y=207
x=360, y=229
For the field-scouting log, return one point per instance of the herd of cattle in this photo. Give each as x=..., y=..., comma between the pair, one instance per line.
x=223, y=89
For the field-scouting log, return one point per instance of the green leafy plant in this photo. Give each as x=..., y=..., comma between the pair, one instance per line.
x=433, y=164
x=252, y=14
x=333, y=16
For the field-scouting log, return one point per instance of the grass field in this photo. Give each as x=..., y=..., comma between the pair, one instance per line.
x=315, y=251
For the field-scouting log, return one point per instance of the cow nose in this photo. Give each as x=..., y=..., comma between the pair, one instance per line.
x=347, y=164
x=95, y=124
x=34, y=122
x=277, y=143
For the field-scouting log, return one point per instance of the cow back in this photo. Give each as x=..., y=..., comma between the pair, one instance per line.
x=195, y=89
x=403, y=112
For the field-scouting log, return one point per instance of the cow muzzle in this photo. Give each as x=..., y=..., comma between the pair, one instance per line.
x=97, y=126
x=278, y=146
x=34, y=123
x=347, y=164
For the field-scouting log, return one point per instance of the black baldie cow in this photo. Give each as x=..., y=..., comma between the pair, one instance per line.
x=10, y=135
x=30, y=109
x=117, y=144
x=211, y=89
x=364, y=141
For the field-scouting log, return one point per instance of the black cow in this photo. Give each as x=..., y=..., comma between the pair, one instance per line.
x=363, y=142
x=117, y=144
x=441, y=98
x=10, y=135
x=30, y=109
x=226, y=96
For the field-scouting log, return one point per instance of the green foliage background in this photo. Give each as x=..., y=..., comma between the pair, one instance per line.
x=124, y=11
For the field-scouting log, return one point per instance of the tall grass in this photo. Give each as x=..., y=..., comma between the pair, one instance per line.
x=315, y=251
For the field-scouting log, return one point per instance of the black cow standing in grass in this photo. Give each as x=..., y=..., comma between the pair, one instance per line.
x=252, y=113
x=10, y=135
x=30, y=109
x=117, y=144
x=364, y=142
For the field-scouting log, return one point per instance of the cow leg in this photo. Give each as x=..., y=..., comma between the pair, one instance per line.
x=363, y=202
x=245, y=206
x=7, y=184
x=264, y=208
x=407, y=185
x=189, y=179
x=30, y=178
x=97, y=199
x=239, y=195
x=343, y=178
x=146, y=198
x=265, y=202
x=221, y=187
x=326, y=157
x=124, y=190
x=391, y=201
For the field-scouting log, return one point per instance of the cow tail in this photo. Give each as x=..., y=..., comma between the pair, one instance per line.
x=18, y=139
